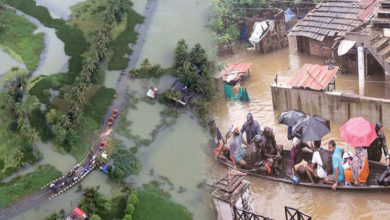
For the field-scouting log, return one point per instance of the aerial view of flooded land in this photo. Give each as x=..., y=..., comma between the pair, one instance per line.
x=194, y=109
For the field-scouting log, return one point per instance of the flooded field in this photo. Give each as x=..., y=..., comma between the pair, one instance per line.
x=270, y=197
x=169, y=26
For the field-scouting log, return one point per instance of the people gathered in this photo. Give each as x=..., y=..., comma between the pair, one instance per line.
x=259, y=152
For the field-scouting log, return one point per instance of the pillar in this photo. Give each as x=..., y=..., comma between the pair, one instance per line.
x=226, y=196
x=361, y=69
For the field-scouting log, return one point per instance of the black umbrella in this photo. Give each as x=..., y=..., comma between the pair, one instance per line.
x=312, y=128
x=290, y=118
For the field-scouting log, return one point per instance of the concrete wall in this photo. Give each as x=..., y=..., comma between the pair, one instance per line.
x=334, y=106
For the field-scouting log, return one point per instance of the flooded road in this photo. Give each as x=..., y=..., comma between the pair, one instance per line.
x=270, y=197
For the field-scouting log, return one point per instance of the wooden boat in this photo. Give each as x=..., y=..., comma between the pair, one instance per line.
x=376, y=169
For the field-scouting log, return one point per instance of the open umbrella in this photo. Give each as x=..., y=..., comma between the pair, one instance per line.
x=291, y=117
x=312, y=128
x=358, y=132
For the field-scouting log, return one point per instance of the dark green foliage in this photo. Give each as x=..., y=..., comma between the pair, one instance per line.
x=148, y=70
x=92, y=201
x=130, y=209
x=128, y=36
x=38, y=121
x=2, y=164
x=181, y=53
x=126, y=161
x=98, y=104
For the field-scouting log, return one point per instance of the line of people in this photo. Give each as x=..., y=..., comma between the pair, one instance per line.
x=337, y=166
x=260, y=149
x=331, y=166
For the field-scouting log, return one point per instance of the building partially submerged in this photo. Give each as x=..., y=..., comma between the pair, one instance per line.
x=317, y=31
x=185, y=93
x=268, y=31
x=315, y=77
x=77, y=214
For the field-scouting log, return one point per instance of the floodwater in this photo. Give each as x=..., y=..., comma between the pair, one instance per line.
x=270, y=197
x=177, y=159
x=59, y=8
x=7, y=62
x=53, y=58
x=172, y=21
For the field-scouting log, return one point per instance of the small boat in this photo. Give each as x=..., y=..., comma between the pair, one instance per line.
x=376, y=169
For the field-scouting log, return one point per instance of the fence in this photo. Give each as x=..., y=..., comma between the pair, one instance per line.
x=240, y=214
x=295, y=214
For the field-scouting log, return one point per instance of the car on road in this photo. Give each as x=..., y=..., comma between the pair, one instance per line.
x=75, y=179
x=114, y=113
x=110, y=121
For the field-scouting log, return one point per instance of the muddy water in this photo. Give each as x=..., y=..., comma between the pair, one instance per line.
x=172, y=21
x=270, y=197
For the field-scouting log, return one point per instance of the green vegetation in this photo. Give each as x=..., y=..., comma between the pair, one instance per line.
x=148, y=70
x=128, y=36
x=88, y=16
x=154, y=205
x=22, y=185
x=125, y=161
x=15, y=150
x=75, y=43
x=18, y=40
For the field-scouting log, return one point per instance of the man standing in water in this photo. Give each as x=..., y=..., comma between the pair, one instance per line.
x=237, y=153
x=375, y=149
x=251, y=128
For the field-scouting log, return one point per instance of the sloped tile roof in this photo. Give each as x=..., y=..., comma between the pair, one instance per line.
x=313, y=76
x=333, y=17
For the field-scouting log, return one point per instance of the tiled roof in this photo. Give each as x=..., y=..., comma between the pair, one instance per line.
x=313, y=76
x=333, y=17
x=239, y=68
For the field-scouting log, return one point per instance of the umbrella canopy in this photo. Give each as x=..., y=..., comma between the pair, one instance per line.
x=290, y=118
x=358, y=132
x=312, y=128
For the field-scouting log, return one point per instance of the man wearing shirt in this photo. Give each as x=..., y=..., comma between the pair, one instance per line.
x=338, y=171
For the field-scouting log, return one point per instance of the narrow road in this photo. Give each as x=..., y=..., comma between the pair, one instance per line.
x=37, y=198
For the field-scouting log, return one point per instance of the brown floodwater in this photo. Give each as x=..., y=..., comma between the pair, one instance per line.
x=270, y=197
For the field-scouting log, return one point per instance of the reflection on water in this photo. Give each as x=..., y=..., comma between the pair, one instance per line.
x=7, y=62
x=58, y=8
x=111, y=78
x=139, y=6
x=175, y=20
x=145, y=118
x=270, y=197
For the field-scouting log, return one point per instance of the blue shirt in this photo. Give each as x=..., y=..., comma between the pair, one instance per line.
x=337, y=158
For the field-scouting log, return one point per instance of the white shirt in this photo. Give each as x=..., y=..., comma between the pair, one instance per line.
x=317, y=159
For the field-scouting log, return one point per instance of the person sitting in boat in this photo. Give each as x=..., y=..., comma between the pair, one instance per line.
x=338, y=171
x=219, y=142
x=298, y=164
x=251, y=128
x=321, y=163
x=272, y=152
x=359, y=170
x=375, y=149
x=237, y=152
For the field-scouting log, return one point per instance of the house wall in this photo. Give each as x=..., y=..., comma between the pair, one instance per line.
x=334, y=106
x=319, y=48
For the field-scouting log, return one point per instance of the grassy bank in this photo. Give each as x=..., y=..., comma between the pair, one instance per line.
x=73, y=38
x=17, y=38
x=153, y=205
x=23, y=185
x=128, y=36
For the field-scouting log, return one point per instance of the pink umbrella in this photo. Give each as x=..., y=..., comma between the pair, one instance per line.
x=358, y=132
